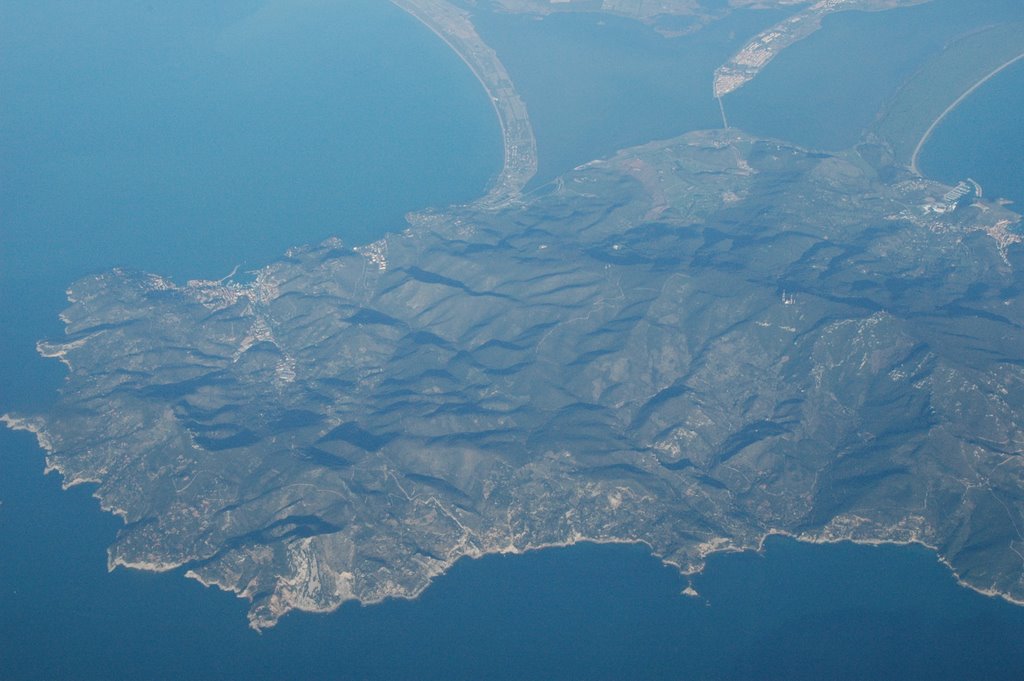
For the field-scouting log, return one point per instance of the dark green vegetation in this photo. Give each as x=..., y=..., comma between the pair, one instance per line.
x=693, y=344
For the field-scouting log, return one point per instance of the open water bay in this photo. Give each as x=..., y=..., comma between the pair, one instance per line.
x=982, y=138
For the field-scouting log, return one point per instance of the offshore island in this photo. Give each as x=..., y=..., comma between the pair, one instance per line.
x=693, y=344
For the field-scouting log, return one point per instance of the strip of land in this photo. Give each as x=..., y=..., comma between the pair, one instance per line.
x=949, y=109
x=924, y=98
x=454, y=27
x=746, y=64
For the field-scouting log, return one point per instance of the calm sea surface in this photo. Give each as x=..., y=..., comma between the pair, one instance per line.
x=983, y=139
x=188, y=140
x=825, y=90
x=596, y=83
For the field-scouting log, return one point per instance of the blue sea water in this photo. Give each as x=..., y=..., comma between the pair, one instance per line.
x=596, y=83
x=188, y=138
x=982, y=138
x=825, y=90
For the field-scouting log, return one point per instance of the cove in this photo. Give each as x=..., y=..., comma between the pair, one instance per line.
x=982, y=139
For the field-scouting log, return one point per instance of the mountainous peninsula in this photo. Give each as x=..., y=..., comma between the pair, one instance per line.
x=693, y=344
